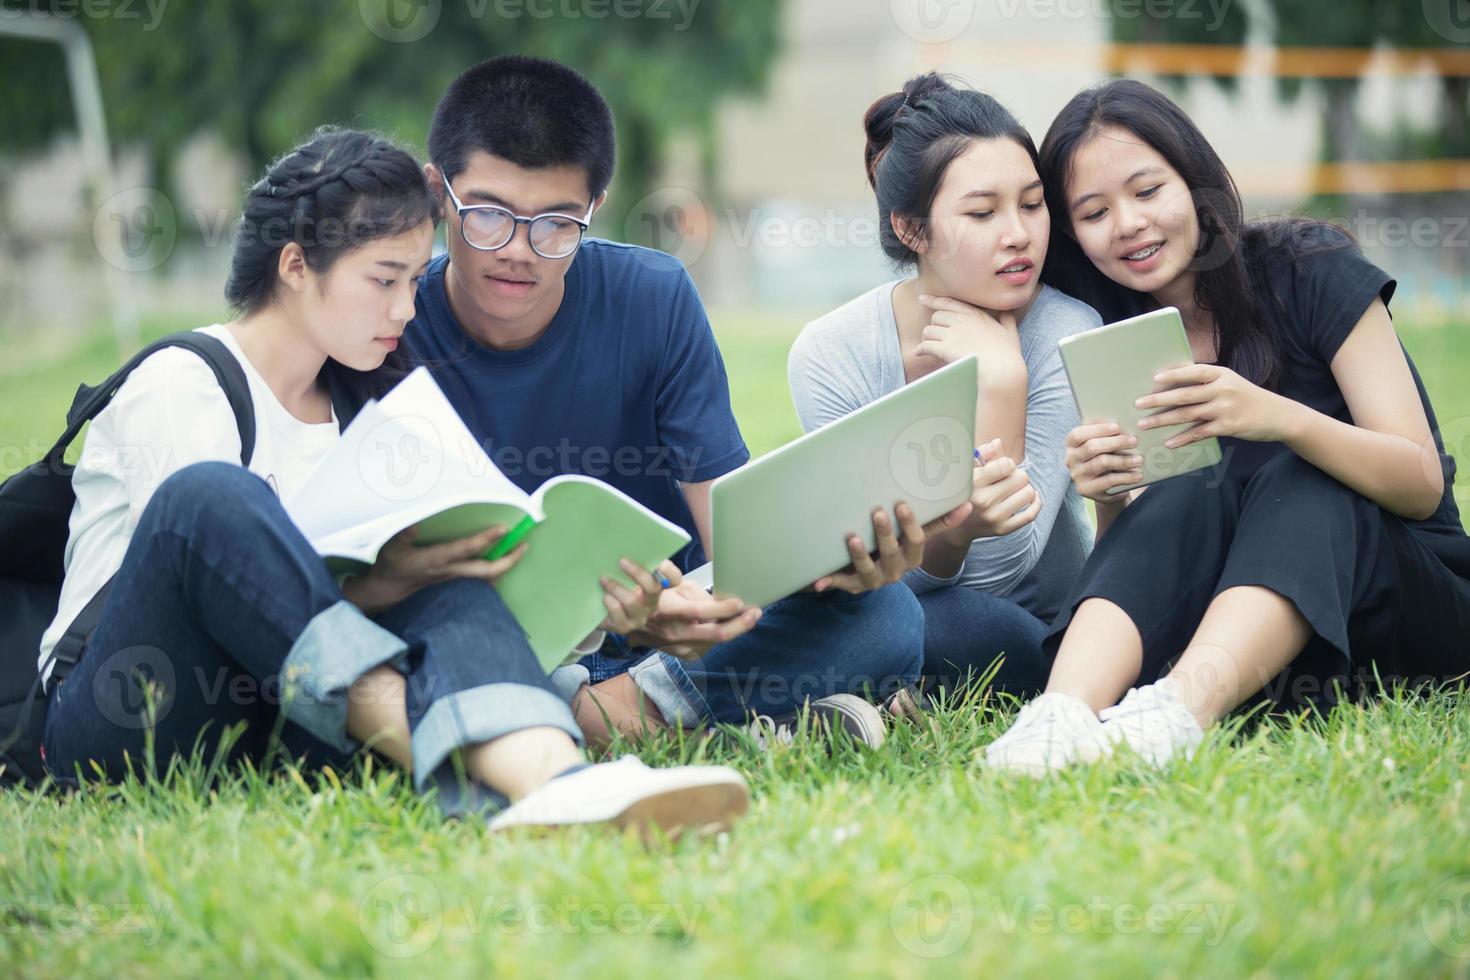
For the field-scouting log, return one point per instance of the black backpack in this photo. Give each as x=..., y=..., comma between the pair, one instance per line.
x=35, y=514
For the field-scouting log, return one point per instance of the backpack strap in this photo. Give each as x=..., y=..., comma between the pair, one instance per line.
x=90, y=401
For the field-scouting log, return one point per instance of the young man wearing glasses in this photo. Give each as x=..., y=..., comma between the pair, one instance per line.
x=572, y=354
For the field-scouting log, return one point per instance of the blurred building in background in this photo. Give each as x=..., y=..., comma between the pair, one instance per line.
x=768, y=204
x=795, y=224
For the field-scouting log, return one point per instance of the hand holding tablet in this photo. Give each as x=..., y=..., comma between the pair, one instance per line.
x=1111, y=369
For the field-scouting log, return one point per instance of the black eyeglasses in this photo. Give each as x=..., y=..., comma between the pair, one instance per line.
x=489, y=227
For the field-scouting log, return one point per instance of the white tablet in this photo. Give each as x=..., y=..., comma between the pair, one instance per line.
x=782, y=521
x=1113, y=366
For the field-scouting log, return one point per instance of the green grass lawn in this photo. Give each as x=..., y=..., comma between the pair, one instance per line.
x=1318, y=847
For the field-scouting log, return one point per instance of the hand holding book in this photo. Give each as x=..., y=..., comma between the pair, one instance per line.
x=408, y=461
x=402, y=568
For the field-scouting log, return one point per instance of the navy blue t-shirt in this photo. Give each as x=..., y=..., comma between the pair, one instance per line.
x=626, y=384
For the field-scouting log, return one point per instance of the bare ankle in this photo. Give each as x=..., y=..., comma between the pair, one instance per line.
x=615, y=705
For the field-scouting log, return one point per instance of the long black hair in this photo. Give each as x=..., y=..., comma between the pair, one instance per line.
x=913, y=137
x=338, y=191
x=1228, y=264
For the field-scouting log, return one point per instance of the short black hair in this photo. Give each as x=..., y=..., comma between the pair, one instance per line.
x=531, y=111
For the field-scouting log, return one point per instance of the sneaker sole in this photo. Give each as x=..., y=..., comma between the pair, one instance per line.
x=699, y=810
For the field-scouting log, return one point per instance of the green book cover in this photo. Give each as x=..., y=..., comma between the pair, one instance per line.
x=409, y=459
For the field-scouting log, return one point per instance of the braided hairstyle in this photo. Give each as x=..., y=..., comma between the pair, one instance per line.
x=913, y=136
x=338, y=191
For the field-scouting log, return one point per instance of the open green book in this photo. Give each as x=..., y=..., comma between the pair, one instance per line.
x=409, y=459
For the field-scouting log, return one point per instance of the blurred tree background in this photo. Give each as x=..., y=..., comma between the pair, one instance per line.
x=1400, y=24
x=262, y=73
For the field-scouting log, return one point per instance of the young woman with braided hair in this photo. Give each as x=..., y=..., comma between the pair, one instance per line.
x=217, y=595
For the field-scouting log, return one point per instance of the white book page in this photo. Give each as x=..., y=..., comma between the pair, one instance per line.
x=401, y=460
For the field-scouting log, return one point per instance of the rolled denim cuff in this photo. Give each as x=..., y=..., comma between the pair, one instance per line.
x=568, y=680
x=663, y=680
x=470, y=717
x=921, y=582
x=337, y=647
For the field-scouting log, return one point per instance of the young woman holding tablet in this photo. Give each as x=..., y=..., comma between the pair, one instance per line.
x=214, y=590
x=1325, y=547
x=960, y=202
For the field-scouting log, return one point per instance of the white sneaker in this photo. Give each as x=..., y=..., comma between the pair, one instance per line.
x=1045, y=735
x=626, y=793
x=1153, y=722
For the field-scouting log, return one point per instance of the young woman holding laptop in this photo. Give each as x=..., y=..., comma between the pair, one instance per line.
x=960, y=204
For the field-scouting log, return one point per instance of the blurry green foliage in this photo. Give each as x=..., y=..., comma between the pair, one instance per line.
x=262, y=73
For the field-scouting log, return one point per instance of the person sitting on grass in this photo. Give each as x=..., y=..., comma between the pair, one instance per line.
x=960, y=201
x=217, y=591
x=572, y=355
x=1325, y=551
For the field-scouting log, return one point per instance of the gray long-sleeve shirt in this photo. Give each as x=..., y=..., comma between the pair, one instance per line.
x=851, y=356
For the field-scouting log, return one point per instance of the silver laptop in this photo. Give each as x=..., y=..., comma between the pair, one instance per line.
x=781, y=522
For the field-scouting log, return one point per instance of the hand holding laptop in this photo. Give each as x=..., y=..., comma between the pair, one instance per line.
x=897, y=552
x=785, y=522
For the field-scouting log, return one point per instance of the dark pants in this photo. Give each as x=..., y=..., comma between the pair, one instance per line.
x=222, y=613
x=966, y=632
x=1376, y=598
x=805, y=647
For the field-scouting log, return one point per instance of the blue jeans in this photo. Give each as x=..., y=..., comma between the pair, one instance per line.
x=805, y=647
x=965, y=631
x=230, y=613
